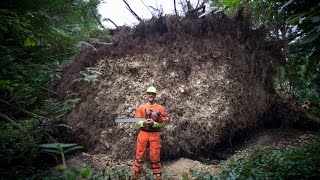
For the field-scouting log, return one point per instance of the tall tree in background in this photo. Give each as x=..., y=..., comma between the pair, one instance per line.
x=36, y=37
x=303, y=70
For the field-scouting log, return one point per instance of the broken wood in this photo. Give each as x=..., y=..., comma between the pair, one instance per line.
x=175, y=8
x=132, y=12
x=23, y=110
x=46, y=89
x=108, y=19
x=11, y=121
x=197, y=9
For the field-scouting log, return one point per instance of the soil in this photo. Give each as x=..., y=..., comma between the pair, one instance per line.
x=214, y=77
x=215, y=83
x=274, y=138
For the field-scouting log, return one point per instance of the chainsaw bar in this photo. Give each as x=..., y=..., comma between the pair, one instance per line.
x=129, y=120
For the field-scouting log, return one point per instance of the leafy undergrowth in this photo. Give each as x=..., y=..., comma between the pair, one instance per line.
x=299, y=162
x=259, y=162
x=256, y=162
x=18, y=150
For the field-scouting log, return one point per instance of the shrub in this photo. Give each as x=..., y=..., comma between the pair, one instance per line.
x=18, y=150
x=300, y=162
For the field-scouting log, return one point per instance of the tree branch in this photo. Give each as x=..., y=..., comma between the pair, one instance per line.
x=147, y=7
x=15, y=124
x=203, y=7
x=98, y=20
x=132, y=12
x=175, y=8
x=108, y=19
x=25, y=111
x=50, y=91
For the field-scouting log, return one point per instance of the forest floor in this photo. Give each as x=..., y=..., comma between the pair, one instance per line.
x=274, y=138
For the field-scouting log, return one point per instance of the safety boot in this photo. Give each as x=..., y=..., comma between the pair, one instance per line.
x=157, y=176
x=136, y=175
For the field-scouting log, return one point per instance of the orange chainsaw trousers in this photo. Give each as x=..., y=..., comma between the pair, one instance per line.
x=154, y=141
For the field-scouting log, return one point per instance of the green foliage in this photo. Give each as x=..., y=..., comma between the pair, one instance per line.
x=305, y=19
x=37, y=37
x=119, y=172
x=69, y=104
x=17, y=149
x=229, y=6
x=303, y=63
x=60, y=148
x=90, y=74
x=16, y=145
x=301, y=162
x=116, y=172
x=263, y=13
x=71, y=174
x=201, y=175
x=298, y=23
x=20, y=149
x=54, y=107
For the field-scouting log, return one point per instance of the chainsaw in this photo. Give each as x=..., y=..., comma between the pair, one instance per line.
x=134, y=120
x=129, y=120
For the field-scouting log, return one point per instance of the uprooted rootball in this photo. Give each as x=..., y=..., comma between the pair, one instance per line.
x=214, y=75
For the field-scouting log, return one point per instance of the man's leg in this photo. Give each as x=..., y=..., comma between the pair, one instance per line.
x=141, y=147
x=155, y=147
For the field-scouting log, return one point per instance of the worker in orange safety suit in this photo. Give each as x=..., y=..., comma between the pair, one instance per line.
x=149, y=134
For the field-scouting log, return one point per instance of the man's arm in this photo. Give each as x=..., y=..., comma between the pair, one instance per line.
x=139, y=114
x=157, y=124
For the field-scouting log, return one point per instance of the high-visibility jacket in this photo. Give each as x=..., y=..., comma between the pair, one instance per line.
x=143, y=111
x=151, y=137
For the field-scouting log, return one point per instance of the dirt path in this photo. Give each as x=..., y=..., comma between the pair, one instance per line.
x=175, y=168
x=184, y=166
